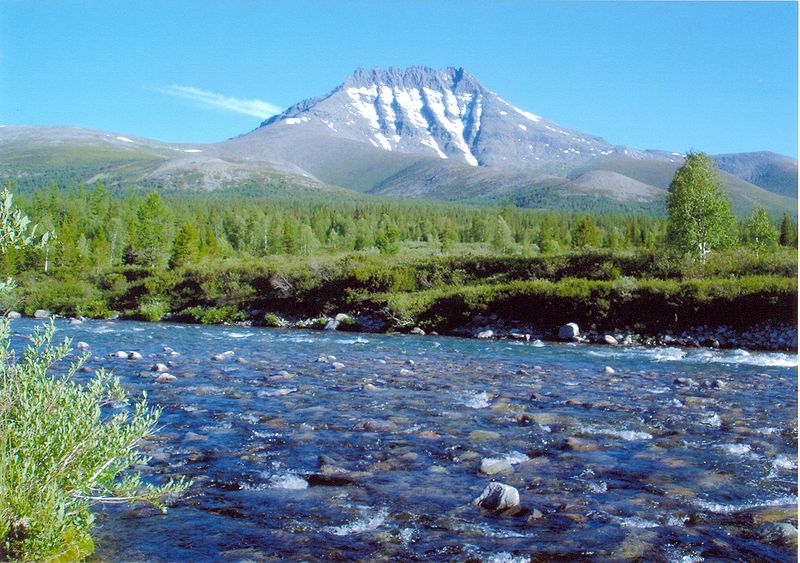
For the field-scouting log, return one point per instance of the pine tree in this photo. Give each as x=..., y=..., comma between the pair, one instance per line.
x=788, y=232
x=184, y=247
x=585, y=233
x=153, y=235
x=388, y=236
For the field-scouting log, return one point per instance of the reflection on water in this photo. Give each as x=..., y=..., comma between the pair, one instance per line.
x=307, y=445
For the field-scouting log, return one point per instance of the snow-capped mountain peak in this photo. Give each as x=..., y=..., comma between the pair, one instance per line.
x=444, y=114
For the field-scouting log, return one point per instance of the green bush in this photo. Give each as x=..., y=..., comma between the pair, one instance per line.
x=272, y=320
x=644, y=304
x=152, y=311
x=66, y=297
x=213, y=315
x=62, y=451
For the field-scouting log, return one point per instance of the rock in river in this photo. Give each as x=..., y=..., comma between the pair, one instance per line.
x=569, y=332
x=492, y=466
x=497, y=496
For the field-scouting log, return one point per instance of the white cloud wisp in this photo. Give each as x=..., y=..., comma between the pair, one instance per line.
x=255, y=108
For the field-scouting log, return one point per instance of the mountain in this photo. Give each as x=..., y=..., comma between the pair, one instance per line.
x=446, y=115
x=35, y=156
x=773, y=172
x=415, y=132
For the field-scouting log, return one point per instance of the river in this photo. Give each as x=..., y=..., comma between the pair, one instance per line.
x=310, y=445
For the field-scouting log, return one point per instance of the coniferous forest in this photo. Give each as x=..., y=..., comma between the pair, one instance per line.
x=221, y=257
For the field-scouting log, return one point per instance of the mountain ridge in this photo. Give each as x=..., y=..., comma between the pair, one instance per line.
x=414, y=132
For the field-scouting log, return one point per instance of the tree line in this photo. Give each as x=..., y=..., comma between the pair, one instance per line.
x=95, y=230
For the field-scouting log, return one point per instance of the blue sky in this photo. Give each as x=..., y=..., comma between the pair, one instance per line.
x=713, y=76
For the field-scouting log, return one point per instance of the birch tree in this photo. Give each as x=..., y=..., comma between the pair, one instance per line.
x=700, y=218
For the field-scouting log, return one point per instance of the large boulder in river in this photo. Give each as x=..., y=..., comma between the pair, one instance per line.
x=13, y=315
x=41, y=314
x=497, y=496
x=569, y=332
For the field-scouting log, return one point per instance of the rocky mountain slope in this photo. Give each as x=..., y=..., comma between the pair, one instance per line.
x=416, y=132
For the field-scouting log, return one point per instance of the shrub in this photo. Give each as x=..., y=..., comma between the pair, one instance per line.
x=62, y=451
x=272, y=320
x=152, y=311
x=66, y=297
x=213, y=315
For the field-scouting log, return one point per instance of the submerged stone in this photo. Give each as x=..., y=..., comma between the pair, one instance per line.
x=483, y=435
x=491, y=466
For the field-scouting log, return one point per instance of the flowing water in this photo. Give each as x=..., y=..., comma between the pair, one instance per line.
x=310, y=445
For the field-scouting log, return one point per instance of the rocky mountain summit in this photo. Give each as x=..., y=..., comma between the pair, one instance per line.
x=447, y=114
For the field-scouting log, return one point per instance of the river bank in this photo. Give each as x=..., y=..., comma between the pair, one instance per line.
x=767, y=336
x=734, y=301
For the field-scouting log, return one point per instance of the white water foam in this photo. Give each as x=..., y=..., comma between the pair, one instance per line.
x=732, y=357
x=742, y=357
x=783, y=462
x=366, y=523
x=600, y=487
x=288, y=481
x=627, y=435
x=738, y=450
x=711, y=419
x=505, y=557
x=720, y=508
x=515, y=457
x=637, y=522
x=475, y=400
x=358, y=340
x=280, y=392
x=238, y=334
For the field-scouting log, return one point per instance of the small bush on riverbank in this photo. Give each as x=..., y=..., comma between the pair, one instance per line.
x=62, y=449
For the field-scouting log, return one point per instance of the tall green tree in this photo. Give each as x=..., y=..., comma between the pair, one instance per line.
x=585, y=233
x=388, y=236
x=699, y=215
x=184, y=247
x=760, y=233
x=153, y=233
x=788, y=232
x=502, y=237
